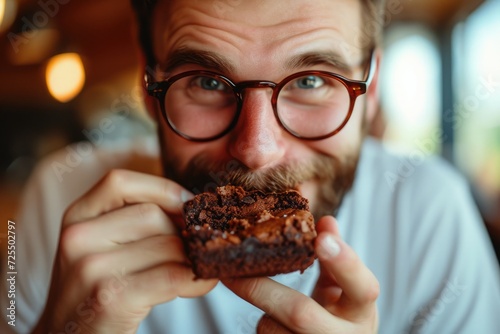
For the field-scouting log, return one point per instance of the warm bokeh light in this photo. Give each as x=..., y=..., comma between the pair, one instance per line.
x=65, y=76
x=35, y=50
x=2, y=10
x=8, y=10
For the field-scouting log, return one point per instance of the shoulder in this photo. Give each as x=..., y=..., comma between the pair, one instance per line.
x=408, y=186
x=417, y=171
x=422, y=194
x=83, y=163
x=63, y=176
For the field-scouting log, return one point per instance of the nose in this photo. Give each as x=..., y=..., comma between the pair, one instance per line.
x=257, y=139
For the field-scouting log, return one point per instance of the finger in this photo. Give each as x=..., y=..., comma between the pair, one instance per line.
x=146, y=253
x=340, y=266
x=327, y=224
x=121, y=226
x=122, y=187
x=327, y=290
x=132, y=223
x=112, y=229
x=164, y=283
x=128, y=259
x=268, y=325
x=290, y=308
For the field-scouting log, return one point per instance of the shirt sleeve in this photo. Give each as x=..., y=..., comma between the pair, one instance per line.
x=56, y=182
x=37, y=232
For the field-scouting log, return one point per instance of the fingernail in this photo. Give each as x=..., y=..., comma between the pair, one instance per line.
x=186, y=196
x=329, y=247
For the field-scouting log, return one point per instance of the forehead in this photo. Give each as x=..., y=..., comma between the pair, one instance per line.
x=257, y=32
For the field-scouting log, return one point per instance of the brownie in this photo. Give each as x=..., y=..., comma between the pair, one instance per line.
x=234, y=233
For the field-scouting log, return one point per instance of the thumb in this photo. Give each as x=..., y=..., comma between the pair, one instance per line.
x=327, y=248
x=345, y=283
x=327, y=224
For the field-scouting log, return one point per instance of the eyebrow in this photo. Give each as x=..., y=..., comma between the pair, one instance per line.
x=318, y=58
x=216, y=62
x=206, y=59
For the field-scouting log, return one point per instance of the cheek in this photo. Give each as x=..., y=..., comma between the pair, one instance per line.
x=179, y=152
x=351, y=135
x=175, y=150
x=347, y=141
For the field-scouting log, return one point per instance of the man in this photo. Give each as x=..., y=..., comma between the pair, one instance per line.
x=409, y=256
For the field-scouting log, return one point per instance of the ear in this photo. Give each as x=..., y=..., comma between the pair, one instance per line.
x=372, y=95
x=150, y=102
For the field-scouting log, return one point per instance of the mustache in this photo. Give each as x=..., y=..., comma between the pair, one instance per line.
x=203, y=175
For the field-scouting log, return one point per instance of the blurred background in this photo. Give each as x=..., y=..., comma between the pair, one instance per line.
x=66, y=65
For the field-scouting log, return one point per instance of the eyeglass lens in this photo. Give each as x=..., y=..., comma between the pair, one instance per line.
x=202, y=106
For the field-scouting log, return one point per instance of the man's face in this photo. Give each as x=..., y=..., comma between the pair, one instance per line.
x=264, y=40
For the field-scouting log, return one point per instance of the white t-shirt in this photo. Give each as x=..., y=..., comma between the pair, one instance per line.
x=411, y=220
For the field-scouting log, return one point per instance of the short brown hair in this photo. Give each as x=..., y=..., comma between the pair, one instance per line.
x=372, y=16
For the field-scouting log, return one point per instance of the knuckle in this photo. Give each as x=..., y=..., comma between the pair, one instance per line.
x=71, y=241
x=150, y=212
x=68, y=215
x=100, y=287
x=372, y=292
x=113, y=307
x=89, y=268
x=106, y=298
x=115, y=177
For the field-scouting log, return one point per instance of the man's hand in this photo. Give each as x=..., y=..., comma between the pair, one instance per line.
x=119, y=255
x=343, y=300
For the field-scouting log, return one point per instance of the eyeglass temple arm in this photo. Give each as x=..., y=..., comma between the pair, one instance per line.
x=152, y=88
x=373, y=66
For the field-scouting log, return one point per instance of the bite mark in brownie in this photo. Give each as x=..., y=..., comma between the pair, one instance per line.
x=234, y=233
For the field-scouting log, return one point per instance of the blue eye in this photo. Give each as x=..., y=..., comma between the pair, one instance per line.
x=209, y=83
x=309, y=82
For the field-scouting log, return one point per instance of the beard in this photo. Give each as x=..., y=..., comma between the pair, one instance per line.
x=333, y=176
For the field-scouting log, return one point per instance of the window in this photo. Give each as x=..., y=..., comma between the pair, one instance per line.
x=477, y=101
x=410, y=89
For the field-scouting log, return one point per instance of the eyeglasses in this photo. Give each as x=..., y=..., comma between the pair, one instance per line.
x=203, y=105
